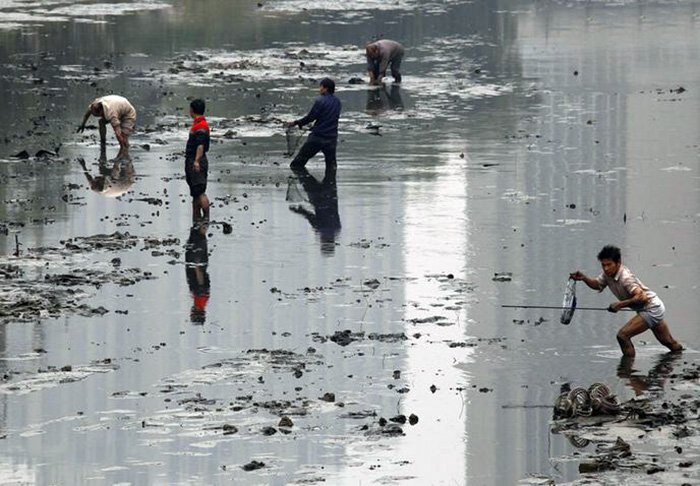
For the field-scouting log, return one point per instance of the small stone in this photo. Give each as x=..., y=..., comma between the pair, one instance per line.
x=253, y=465
x=269, y=431
x=229, y=429
x=328, y=397
x=285, y=422
x=433, y=388
x=413, y=419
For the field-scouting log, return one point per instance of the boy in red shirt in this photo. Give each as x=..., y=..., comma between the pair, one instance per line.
x=196, y=163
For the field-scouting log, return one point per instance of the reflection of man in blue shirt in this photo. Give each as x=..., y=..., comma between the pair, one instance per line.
x=324, y=134
x=323, y=196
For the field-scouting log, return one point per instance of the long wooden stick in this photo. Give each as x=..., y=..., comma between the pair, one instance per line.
x=559, y=308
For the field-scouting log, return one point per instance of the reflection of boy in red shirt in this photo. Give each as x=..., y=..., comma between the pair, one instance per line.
x=196, y=163
x=196, y=262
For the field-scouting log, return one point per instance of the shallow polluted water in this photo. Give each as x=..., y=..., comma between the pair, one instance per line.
x=345, y=328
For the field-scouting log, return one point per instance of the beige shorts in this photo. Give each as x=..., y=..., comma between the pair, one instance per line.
x=127, y=125
x=653, y=314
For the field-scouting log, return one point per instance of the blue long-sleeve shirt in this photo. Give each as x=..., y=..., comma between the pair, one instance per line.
x=325, y=113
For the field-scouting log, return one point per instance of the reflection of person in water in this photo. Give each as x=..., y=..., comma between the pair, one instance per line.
x=196, y=262
x=384, y=99
x=654, y=380
x=114, y=180
x=323, y=196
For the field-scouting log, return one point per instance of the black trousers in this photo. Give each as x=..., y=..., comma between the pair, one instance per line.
x=313, y=145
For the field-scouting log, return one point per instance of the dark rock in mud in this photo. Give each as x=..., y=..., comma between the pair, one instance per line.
x=285, y=422
x=502, y=277
x=45, y=154
x=399, y=419
x=23, y=155
x=413, y=419
x=343, y=338
x=328, y=397
x=269, y=431
x=387, y=338
x=153, y=201
x=359, y=415
x=356, y=80
x=595, y=466
x=427, y=320
x=229, y=429
x=392, y=430
x=253, y=465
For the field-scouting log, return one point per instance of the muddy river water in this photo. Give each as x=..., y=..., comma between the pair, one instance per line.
x=525, y=136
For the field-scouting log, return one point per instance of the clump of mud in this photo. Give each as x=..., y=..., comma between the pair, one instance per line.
x=613, y=440
x=48, y=282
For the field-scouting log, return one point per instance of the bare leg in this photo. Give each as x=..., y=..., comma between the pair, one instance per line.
x=195, y=210
x=634, y=326
x=663, y=335
x=203, y=202
x=103, y=131
x=103, y=153
x=123, y=147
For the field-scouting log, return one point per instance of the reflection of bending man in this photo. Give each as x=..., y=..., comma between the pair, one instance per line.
x=384, y=99
x=112, y=181
x=323, y=196
x=118, y=112
x=196, y=263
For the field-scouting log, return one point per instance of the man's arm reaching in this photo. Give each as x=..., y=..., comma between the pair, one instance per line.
x=591, y=282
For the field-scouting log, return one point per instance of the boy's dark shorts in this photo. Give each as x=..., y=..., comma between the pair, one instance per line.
x=196, y=180
x=197, y=190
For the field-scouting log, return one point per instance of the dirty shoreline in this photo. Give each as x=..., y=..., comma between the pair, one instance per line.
x=261, y=350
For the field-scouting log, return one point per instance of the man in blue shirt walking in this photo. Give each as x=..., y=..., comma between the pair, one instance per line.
x=324, y=134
